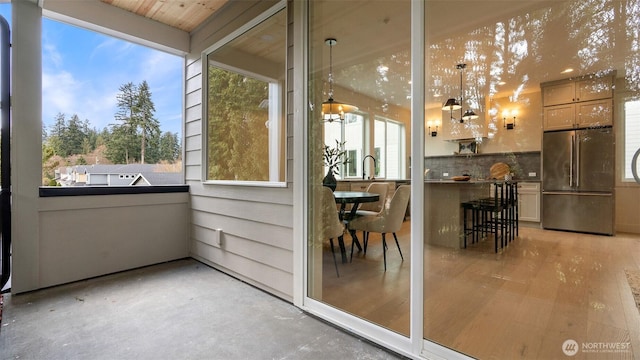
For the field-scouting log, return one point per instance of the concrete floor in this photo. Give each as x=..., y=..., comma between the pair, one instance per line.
x=177, y=310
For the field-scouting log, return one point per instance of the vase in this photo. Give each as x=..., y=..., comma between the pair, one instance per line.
x=330, y=180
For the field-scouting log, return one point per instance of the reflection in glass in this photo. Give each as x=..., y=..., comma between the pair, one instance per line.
x=376, y=79
x=545, y=287
x=245, y=105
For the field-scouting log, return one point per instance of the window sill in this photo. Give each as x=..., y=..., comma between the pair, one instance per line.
x=265, y=184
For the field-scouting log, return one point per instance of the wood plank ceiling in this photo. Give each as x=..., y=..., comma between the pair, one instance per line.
x=182, y=14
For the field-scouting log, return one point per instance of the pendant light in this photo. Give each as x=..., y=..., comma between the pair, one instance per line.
x=333, y=110
x=453, y=104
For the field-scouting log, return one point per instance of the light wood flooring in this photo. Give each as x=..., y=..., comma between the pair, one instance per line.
x=523, y=303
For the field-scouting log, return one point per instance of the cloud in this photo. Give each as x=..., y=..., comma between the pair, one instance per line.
x=113, y=48
x=56, y=88
x=51, y=54
x=84, y=79
x=62, y=93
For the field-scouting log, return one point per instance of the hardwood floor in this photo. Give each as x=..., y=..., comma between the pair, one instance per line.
x=546, y=287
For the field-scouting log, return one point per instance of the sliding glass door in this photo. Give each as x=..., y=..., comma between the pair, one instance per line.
x=359, y=56
x=475, y=270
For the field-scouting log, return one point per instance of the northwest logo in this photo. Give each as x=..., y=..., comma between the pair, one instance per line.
x=570, y=347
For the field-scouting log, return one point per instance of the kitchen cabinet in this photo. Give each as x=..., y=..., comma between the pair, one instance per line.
x=580, y=115
x=529, y=201
x=594, y=113
x=578, y=103
x=572, y=91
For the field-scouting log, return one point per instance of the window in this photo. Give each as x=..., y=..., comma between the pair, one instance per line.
x=245, y=103
x=631, y=135
x=351, y=163
x=351, y=132
x=389, y=144
x=87, y=78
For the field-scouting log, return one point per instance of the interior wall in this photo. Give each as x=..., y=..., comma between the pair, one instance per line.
x=628, y=209
x=254, y=223
x=526, y=136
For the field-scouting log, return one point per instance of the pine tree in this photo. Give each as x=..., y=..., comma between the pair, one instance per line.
x=147, y=125
x=135, y=114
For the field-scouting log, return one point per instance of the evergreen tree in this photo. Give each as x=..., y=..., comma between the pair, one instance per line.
x=236, y=127
x=73, y=137
x=135, y=114
x=152, y=151
x=123, y=134
x=148, y=126
x=56, y=135
x=169, y=147
x=121, y=145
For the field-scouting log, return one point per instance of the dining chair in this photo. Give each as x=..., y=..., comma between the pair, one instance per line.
x=388, y=220
x=373, y=208
x=332, y=227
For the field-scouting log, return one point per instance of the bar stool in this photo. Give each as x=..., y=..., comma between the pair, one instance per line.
x=496, y=215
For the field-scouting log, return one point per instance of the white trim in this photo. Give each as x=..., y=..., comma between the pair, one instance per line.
x=416, y=325
x=300, y=131
x=277, y=97
x=361, y=327
x=274, y=168
x=110, y=20
x=244, y=28
x=238, y=70
x=281, y=184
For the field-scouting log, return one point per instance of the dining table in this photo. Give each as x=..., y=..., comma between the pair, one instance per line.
x=355, y=198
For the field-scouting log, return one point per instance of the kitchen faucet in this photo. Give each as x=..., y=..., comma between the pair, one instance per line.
x=374, y=166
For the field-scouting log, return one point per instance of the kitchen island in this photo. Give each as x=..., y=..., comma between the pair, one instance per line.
x=442, y=211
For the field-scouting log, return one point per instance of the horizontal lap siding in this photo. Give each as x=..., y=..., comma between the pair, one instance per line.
x=256, y=222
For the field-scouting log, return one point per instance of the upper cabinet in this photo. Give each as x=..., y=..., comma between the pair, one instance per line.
x=578, y=103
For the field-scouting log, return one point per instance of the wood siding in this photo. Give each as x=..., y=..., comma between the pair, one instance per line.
x=256, y=238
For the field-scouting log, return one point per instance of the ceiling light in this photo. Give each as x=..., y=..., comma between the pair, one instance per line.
x=334, y=110
x=453, y=104
x=566, y=71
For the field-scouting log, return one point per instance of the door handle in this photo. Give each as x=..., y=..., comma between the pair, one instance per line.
x=577, y=182
x=573, y=144
x=634, y=166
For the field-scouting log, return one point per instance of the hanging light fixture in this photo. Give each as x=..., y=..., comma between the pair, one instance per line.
x=334, y=110
x=453, y=104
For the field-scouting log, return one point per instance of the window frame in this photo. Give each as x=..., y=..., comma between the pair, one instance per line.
x=274, y=144
x=88, y=189
x=368, y=147
x=627, y=178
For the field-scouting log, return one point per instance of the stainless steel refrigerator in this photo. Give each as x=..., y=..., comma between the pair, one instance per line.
x=578, y=180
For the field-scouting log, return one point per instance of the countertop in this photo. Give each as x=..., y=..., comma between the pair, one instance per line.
x=437, y=181
x=472, y=181
x=374, y=180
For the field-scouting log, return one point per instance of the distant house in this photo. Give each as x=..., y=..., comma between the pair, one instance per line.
x=117, y=175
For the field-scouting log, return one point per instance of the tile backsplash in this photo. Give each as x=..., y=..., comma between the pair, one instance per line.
x=524, y=165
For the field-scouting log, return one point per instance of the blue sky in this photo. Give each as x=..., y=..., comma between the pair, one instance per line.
x=82, y=71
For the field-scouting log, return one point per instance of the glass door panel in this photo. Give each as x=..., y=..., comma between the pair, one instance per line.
x=494, y=287
x=359, y=55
